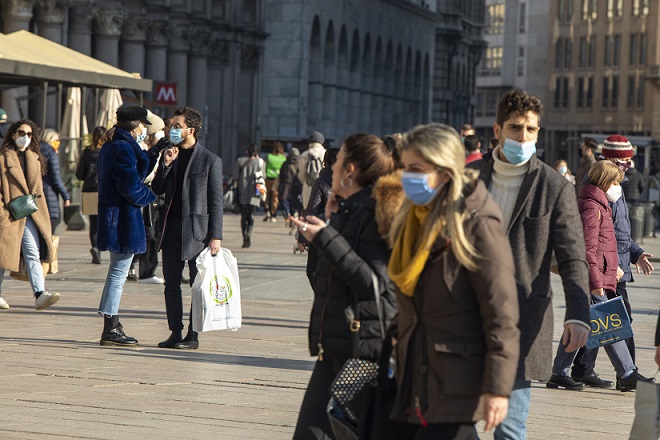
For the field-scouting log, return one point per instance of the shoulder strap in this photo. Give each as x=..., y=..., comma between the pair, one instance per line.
x=354, y=321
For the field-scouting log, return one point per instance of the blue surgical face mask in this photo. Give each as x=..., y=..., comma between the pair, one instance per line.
x=175, y=136
x=142, y=136
x=516, y=152
x=417, y=189
x=563, y=170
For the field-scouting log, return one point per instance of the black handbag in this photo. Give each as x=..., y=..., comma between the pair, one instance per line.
x=23, y=206
x=355, y=376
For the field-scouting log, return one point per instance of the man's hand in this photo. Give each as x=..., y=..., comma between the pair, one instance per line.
x=657, y=355
x=215, y=245
x=643, y=264
x=170, y=155
x=495, y=410
x=67, y=203
x=574, y=337
x=599, y=292
x=619, y=274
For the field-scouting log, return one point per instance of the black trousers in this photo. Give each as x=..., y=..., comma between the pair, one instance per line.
x=54, y=221
x=247, y=218
x=172, y=270
x=585, y=361
x=93, y=228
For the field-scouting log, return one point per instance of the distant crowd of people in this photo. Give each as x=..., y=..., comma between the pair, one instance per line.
x=426, y=254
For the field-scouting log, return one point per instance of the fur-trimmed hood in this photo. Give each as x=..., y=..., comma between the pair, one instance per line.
x=389, y=196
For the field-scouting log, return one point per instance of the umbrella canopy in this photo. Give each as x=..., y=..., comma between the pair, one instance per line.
x=70, y=130
x=110, y=102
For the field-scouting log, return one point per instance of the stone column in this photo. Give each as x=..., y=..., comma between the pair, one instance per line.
x=80, y=26
x=217, y=65
x=156, y=68
x=133, y=38
x=177, y=61
x=16, y=15
x=197, y=73
x=50, y=18
x=231, y=93
x=107, y=30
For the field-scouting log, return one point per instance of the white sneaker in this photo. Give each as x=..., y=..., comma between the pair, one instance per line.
x=46, y=299
x=153, y=280
x=3, y=303
x=273, y=220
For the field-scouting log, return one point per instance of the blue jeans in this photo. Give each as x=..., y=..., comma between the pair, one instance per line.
x=30, y=250
x=514, y=426
x=114, y=283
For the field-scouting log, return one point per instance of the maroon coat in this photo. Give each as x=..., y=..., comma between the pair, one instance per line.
x=599, y=236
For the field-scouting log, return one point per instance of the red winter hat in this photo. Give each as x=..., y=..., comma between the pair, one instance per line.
x=617, y=146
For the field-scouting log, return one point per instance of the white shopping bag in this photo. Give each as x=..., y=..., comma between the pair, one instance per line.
x=647, y=412
x=216, y=293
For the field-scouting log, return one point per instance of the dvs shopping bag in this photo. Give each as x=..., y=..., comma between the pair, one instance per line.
x=610, y=323
x=216, y=294
x=647, y=412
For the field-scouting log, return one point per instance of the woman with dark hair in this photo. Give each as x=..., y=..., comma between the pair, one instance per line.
x=122, y=167
x=86, y=171
x=355, y=253
x=53, y=186
x=290, y=189
x=274, y=162
x=22, y=167
x=246, y=171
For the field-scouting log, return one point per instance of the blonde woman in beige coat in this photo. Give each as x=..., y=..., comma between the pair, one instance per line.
x=21, y=169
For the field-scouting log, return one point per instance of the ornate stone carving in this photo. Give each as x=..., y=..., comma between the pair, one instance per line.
x=157, y=33
x=250, y=57
x=80, y=16
x=135, y=29
x=200, y=43
x=219, y=51
x=50, y=11
x=179, y=37
x=21, y=9
x=108, y=21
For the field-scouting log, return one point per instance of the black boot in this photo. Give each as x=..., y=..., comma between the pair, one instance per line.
x=246, y=240
x=174, y=338
x=113, y=333
x=190, y=342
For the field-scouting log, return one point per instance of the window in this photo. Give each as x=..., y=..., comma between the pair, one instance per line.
x=618, y=11
x=583, y=52
x=521, y=61
x=645, y=7
x=615, y=92
x=564, y=103
x=592, y=51
x=607, y=60
x=522, y=18
x=557, y=101
x=493, y=62
x=590, y=94
x=617, y=51
x=561, y=10
x=495, y=19
x=589, y=9
x=610, y=8
x=614, y=8
x=642, y=49
x=640, y=93
x=568, y=53
x=632, y=53
x=606, y=92
x=558, y=53
x=580, y=93
x=630, y=102
x=585, y=9
x=635, y=7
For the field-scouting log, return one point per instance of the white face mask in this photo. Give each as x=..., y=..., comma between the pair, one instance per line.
x=614, y=193
x=22, y=142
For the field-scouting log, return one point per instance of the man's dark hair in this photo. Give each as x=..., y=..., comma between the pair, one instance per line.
x=467, y=127
x=590, y=143
x=517, y=102
x=192, y=117
x=494, y=142
x=471, y=143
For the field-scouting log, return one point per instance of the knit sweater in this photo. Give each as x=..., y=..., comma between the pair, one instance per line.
x=505, y=185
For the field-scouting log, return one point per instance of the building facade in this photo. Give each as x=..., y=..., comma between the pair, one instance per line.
x=517, y=33
x=603, y=72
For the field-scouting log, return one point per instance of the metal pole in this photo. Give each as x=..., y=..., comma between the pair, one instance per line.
x=96, y=103
x=58, y=111
x=83, y=90
x=44, y=103
x=141, y=98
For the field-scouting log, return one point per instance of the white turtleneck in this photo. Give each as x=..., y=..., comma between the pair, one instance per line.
x=505, y=184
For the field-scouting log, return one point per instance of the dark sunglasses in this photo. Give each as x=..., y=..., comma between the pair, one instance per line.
x=22, y=133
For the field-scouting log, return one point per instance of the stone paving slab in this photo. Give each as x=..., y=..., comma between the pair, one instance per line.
x=57, y=382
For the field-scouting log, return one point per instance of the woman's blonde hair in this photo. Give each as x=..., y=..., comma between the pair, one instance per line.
x=604, y=174
x=439, y=145
x=49, y=135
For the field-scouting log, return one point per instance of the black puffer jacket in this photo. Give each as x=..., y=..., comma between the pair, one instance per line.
x=86, y=169
x=351, y=250
x=53, y=185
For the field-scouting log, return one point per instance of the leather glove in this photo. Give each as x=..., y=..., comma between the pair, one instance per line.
x=161, y=145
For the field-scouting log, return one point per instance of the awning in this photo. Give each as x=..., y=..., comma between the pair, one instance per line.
x=28, y=59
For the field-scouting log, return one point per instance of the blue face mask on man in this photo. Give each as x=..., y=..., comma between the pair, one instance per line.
x=517, y=152
x=175, y=135
x=417, y=189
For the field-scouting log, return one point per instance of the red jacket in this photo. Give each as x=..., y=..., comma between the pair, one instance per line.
x=599, y=237
x=473, y=157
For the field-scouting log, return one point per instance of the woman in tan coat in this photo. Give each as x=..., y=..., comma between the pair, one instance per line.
x=457, y=337
x=21, y=169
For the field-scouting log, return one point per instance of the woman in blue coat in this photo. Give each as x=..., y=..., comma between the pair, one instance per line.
x=121, y=168
x=53, y=186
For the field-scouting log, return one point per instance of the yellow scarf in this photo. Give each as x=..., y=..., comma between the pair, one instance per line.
x=404, y=267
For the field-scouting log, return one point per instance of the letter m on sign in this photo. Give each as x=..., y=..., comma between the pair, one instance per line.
x=165, y=93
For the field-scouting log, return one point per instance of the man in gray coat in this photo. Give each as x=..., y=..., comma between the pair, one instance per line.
x=540, y=215
x=190, y=176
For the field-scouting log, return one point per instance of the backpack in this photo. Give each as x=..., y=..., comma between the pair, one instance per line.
x=314, y=166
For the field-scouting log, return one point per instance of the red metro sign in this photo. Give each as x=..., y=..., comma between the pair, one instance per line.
x=165, y=93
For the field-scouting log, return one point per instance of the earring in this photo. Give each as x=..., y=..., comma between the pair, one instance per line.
x=344, y=185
